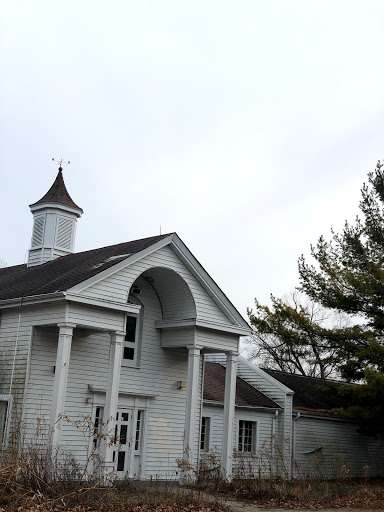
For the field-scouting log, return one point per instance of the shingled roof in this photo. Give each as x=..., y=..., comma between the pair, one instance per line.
x=310, y=393
x=246, y=395
x=67, y=271
x=58, y=193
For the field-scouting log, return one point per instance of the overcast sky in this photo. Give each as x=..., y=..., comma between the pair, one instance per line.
x=248, y=127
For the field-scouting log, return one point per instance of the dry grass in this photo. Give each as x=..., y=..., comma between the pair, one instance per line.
x=308, y=494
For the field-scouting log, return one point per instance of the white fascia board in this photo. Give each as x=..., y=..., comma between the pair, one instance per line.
x=58, y=207
x=265, y=375
x=177, y=324
x=252, y=407
x=62, y=296
x=108, y=304
x=208, y=283
x=308, y=415
x=119, y=266
x=32, y=299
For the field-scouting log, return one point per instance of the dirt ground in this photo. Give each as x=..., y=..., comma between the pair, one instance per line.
x=238, y=506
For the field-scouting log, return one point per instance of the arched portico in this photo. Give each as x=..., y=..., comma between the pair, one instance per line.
x=174, y=294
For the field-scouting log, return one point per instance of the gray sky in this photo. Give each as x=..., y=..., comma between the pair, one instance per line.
x=248, y=127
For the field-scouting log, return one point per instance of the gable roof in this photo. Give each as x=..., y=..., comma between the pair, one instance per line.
x=67, y=271
x=246, y=395
x=75, y=272
x=308, y=392
x=58, y=193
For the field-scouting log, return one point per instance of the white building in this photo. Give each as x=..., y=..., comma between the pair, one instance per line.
x=284, y=425
x=120, y=334
x=117, y=332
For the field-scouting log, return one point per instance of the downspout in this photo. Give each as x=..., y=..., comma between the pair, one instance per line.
x=294, y=439
x=273, y=441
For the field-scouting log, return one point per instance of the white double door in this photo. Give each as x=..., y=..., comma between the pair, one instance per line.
x=124, y=442
x=128, y=434
x=127, y=447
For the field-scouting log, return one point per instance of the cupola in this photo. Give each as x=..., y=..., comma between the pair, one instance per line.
x=54, y=224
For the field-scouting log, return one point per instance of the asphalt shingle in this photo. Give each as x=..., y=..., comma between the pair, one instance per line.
x=67, y=271
x=246, y=395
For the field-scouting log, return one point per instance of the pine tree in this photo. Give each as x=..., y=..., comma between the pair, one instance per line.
x=347, y=278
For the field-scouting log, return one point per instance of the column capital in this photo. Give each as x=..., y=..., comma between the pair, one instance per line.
x=66, y=325
x=232, y=356
x=194, y=349
x=117, y=336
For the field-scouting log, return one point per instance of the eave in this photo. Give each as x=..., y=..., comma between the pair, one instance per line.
x=49, y=298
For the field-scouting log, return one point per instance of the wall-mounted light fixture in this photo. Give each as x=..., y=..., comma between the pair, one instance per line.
x=181, y=384
x=88, y=400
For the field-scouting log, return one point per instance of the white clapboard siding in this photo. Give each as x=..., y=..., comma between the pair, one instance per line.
x=16, y=328
x=117, y=286
x=331, y=448
x=176, y=337
x=274, y=390
x=217, y=340
x=100, y=318
x=261, y=463
x=38, y=401
x=157, y=375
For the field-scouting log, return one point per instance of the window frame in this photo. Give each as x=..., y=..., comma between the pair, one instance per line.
x=5, y=429
x=255, y=436
x=135, y=345
x=207, y=433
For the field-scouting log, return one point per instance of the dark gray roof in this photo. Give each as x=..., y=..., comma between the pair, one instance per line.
x=58, y=193
x=310, y=392
x=246, y=395
x=67, y=271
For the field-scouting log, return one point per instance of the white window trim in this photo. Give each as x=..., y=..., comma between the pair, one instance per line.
x=5, y=440
x=136, y=345
x=209, y=416
x=255, y=451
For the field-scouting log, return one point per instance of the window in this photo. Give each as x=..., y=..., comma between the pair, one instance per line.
x=204, y=434
x=130, y=341
x=133, y=328
x=139, y=422
x=5, y=414
x=247, y=437
x=97, y=426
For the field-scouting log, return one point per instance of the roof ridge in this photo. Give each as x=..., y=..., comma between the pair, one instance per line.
x=123, y=243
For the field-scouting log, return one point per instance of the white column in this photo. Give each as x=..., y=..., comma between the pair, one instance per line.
x=191, y=402
x=61, y=377
x=111, y=399
x=229, y=414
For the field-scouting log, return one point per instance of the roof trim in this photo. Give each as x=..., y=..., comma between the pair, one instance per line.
x=265, y=375
x=208, y=283
x=192, y=264
x=253, y=407
x=194, y=322
x=58, y=206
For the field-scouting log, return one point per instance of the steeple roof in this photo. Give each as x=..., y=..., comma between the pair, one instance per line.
x=58, y=193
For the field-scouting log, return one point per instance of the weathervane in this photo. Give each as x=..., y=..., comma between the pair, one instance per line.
x=60, y=162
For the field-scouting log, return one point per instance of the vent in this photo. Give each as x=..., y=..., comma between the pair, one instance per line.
x=64, y=233
x=38, y=232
